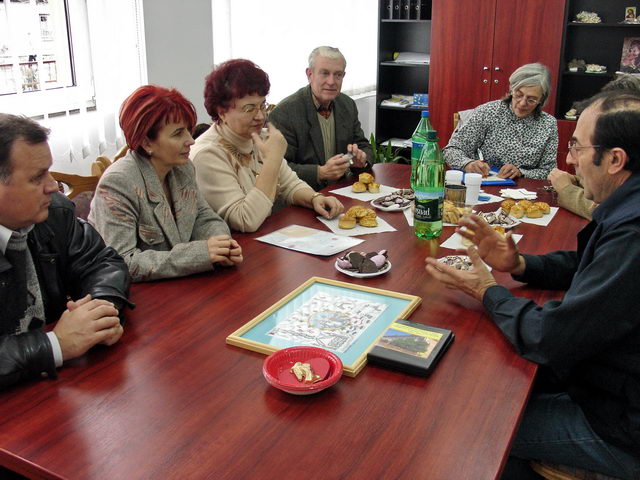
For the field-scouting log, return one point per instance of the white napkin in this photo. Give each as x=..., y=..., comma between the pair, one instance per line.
x=544, y=220
x=358, y=230
x=518, y=194
x=364, y=196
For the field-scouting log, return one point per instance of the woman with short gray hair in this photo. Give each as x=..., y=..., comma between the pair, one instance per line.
x=512, y=136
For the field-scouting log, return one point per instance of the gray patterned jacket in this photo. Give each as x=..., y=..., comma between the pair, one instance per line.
x=529, y=143
x=133, y=216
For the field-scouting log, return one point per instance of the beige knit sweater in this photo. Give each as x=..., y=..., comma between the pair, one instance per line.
x=226, y=169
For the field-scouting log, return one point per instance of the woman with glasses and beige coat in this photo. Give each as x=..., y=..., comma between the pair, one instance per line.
x=239, y=167
x=515, y=136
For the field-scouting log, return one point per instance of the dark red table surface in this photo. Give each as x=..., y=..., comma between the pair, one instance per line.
x=172, y=400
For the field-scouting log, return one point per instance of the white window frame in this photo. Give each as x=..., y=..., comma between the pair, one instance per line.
x=66, y=98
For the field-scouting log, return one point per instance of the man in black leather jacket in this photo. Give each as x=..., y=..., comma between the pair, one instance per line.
x=54, y=267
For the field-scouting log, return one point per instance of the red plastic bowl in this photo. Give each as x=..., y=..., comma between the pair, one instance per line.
x=276, y=367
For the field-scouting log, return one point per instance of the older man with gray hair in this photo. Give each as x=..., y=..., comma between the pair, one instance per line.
x=321, y=124
x=516, y=138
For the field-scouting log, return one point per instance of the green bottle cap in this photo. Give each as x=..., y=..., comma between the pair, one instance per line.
x=432, y=135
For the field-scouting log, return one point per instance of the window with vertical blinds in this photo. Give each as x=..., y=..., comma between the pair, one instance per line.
x=279, y=36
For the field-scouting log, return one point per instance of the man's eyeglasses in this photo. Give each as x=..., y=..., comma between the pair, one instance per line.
x=519, y=96
x=573, y=145
x=252, y=108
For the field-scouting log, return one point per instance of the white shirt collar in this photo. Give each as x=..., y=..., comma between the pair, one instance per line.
x=5, y=235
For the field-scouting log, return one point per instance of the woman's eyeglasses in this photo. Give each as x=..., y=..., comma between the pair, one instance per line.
x=519, y=96
x=252, y=108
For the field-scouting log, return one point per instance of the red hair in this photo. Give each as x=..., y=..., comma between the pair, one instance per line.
x=148, y=109
x=232, y=80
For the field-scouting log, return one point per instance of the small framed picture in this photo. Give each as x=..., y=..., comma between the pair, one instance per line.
x=630, y=13
x=344, y=318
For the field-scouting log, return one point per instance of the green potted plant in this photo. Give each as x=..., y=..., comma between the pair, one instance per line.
x=385, y=153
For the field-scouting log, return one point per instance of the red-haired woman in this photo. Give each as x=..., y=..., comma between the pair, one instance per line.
x=242, y=176
x=147, y=205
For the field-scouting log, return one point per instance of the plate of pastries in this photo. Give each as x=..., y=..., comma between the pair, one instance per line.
x=358, y=215
x=525, y=208
x=366, y=183
x=396, y=201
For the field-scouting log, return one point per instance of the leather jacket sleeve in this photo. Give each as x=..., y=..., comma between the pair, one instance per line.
x=71, y=261
x=25, y=356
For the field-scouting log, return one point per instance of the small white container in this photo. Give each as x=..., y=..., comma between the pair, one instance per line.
x=453, y=177
x=473, y=182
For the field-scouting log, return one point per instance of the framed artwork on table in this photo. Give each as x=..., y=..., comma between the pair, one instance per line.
x=344, y=318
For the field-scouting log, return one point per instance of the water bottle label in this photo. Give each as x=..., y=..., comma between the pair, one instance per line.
x=428, y=206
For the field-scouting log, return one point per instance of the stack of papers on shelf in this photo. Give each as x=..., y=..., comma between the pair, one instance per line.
x=398, y=101
x=413, y=57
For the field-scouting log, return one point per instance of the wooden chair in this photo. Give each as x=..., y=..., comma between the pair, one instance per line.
x=552, y=471
x=80, y=188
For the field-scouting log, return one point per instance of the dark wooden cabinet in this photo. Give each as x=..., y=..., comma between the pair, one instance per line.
x=599, y=43
x=476, y=46
x=401, y=34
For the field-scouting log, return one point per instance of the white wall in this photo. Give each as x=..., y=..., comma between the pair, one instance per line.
x=179, y=44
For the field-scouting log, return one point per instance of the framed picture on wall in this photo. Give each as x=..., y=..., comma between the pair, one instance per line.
x=630, y=60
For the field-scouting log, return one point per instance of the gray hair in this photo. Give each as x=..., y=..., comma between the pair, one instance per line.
x=12, y=128
x=623, y=82
x=328, y=52
x=531, y=75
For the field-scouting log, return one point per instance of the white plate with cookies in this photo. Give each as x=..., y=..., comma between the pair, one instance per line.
x=385, y=268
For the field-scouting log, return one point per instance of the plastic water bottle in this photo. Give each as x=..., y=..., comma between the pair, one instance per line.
x=420, y=135
x=427, y=181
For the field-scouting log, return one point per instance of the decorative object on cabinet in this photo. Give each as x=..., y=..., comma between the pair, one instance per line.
x=608, y=44
x=588, y=17
x=630, y=61
x=576, y=65
x=630, y=15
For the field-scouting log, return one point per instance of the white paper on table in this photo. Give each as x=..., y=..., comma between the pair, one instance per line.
x=408, y=214
x=309, y=240
x=544, y=220
x=364, y=196
x=358, y=230
x=454, y=242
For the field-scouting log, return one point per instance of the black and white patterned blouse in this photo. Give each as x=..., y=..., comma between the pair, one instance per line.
x=530, y=143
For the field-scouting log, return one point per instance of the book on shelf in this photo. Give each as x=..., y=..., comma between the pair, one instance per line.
x=397, y=101
x=410, y=347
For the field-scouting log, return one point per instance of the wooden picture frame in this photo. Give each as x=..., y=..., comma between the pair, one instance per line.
x=344, y=318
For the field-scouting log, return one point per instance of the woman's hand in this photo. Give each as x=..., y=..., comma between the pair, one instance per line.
x=477, y=166
x=328, y=207
x=473, y=282
x=509, y=171
x=224, y=250
x=273, y=148
x=497, y=251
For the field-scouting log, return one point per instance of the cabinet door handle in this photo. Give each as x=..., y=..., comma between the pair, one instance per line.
x=497, y=69
x=485, y=81
x=485, y=68
x=496, y=81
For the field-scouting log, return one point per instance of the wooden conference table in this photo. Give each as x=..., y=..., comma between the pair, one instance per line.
x=171, y=400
